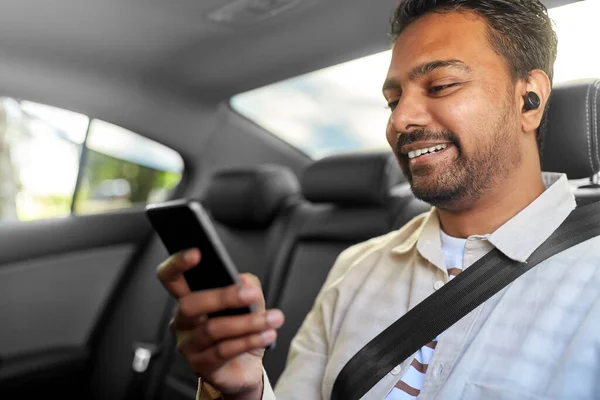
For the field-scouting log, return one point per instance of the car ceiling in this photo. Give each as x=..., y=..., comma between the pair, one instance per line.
x=174, y=44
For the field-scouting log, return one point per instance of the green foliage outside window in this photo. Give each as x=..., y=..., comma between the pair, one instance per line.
x=40, y=156
x=110, y=183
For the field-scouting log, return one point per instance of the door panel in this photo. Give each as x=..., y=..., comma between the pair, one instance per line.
x=53, y=302
x=57, y=276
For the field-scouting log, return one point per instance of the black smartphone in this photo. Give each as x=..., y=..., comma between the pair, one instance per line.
x=184, y=224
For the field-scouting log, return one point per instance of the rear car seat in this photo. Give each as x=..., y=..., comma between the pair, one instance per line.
x=349, y=200
x=247, y=206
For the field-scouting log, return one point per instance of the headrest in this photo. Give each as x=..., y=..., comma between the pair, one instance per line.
x=357, y=179
x=572, y=135
x=250, y=197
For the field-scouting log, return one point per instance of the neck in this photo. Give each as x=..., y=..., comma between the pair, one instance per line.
x=491, y=211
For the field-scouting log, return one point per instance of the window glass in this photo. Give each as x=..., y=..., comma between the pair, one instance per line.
x=334, y=110
x=41, y=153
x=39, y=156
x=341, y=108
x=123, y=168
x=577, y=28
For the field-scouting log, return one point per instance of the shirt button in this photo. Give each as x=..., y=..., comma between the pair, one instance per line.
x=437, y=372
x=396, y=370
x=438, y=285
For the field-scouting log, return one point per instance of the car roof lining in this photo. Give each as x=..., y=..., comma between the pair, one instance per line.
x=116, y=60
x=175, y=45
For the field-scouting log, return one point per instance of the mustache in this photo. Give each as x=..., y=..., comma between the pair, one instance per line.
x=424, y=135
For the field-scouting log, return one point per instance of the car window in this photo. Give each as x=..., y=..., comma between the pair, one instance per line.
x=123, y=168
x=54, y=162
x=341, y=108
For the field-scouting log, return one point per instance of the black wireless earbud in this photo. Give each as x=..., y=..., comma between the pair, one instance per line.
x=532, y=101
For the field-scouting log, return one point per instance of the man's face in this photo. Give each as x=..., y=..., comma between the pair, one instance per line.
x=454, y=125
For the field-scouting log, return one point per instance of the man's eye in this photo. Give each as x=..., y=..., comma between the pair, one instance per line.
x=437, y=89
x=393, y=104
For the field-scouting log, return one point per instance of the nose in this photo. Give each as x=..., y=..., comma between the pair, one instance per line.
x=410, y=113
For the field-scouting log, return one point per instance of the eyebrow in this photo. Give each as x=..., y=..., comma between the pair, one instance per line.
x=426, y=68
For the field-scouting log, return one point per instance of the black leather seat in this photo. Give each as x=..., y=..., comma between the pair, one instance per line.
x=573, y=133
x=248, y=206
x=346, y=200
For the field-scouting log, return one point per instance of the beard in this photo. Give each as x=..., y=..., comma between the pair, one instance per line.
x=460, y=182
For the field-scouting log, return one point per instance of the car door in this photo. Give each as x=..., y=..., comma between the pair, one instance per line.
x=72, y=234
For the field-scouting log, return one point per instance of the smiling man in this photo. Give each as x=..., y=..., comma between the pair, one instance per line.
x=457, y=85
x=467, y=86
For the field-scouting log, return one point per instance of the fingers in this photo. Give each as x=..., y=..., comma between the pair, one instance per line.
x=185, y=324
x=210, y=343
x=193, y=308
x=217, y=330
x=170, y=272
x=213, y=358
x=210, y=301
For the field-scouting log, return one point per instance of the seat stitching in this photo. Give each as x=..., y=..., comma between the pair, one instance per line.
x=597, y=86
x=587, y=121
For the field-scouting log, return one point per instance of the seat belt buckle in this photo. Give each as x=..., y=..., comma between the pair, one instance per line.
x=143, y=353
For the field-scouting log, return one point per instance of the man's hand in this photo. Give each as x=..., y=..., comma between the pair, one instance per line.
x=225, y=352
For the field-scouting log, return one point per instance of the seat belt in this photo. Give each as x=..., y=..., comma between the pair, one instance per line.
x=453, y=301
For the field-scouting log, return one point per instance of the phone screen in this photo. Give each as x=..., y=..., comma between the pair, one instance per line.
x=179, y=228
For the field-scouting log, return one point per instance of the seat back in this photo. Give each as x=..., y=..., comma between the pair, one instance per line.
x=246, y=205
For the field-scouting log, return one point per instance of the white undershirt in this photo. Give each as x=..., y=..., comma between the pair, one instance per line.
x=453, y=249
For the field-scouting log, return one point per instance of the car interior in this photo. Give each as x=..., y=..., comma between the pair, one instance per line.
x=83, y=314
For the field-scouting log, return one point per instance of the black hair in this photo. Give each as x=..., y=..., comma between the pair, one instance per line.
x=520, y=31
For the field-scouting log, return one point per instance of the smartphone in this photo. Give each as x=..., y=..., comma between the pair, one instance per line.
x=184, y=224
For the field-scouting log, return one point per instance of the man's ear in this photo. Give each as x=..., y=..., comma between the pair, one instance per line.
x=538, y=83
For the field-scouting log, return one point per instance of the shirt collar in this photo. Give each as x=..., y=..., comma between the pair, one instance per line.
x=427, y=240
x=518, y=237
x=527, y=230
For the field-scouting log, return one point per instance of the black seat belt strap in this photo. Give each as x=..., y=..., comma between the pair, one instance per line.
x=452, y=302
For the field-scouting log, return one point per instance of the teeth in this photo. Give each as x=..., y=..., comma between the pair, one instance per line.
x=419, y=152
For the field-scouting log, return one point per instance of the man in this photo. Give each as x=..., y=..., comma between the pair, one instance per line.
x=467, y=86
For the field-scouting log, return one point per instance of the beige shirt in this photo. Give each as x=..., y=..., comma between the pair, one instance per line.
x=536, y=339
